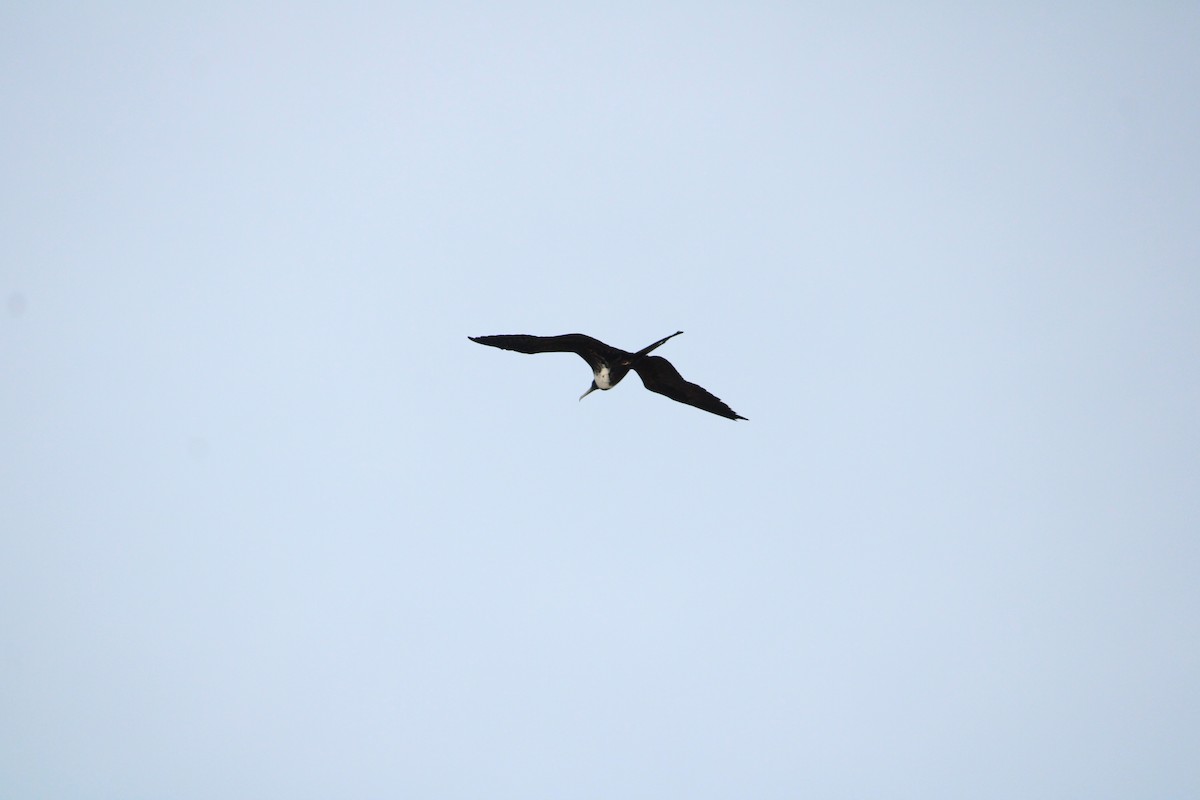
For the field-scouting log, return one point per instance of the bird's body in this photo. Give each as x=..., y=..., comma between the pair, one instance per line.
x=610, y=364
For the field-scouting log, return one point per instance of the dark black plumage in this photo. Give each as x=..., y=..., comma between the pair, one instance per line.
x=610, y=364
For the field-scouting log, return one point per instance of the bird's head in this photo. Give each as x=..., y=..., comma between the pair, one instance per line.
x=591, y=389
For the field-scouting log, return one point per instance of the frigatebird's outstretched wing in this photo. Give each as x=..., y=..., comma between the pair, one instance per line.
x=593, y=351
x=659, y=376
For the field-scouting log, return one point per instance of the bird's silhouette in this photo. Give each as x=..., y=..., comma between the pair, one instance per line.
x=610, y=364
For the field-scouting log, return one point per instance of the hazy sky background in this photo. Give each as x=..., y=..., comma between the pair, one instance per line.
x=271, y=526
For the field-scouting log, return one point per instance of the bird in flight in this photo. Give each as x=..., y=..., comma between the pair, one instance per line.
x=610, y=365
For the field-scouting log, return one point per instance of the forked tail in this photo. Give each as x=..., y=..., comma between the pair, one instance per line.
x=656, y=345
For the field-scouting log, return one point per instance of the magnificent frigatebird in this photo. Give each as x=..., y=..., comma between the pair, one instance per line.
x=610, y=365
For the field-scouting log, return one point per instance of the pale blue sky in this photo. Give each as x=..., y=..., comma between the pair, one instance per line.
x=271, y=526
